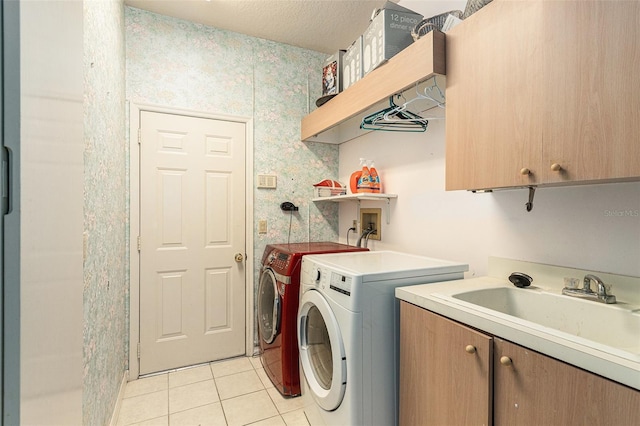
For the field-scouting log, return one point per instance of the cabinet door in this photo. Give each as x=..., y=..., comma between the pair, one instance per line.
x=494, y=95
x=592, y=90
x=534, y=389
x=445, y=371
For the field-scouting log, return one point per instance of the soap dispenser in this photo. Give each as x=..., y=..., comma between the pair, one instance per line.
x=364, y=182
x=375, y=178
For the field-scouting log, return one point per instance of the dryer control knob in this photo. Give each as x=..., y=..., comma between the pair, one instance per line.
x=318, y=275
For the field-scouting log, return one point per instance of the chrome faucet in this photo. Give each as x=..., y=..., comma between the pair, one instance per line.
x=600, y=295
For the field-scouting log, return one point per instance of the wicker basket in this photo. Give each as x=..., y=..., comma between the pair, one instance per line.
x=473, y=6
x=328, y=188
x=435, y=22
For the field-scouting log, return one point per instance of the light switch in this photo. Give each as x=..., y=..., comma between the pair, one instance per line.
x=267, y=181
x=262, y=226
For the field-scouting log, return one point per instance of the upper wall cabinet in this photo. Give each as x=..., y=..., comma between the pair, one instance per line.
x=421, y=60
x=543, y=93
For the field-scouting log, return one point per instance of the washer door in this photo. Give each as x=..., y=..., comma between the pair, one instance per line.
x=268, y=306
x=322, y=353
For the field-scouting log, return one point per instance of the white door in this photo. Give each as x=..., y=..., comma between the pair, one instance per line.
x=192, y=240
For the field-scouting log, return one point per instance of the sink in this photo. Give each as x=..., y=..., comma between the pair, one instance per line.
x=614, y=327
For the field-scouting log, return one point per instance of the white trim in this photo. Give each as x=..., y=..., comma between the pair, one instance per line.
x=116, y=409
x=134, y=223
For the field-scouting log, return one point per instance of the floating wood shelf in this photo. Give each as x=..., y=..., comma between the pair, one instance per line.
x=418, y=62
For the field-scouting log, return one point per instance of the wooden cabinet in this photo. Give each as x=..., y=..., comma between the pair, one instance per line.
x=534, y=389
x=592, y=101
x=455, y=375
x=492, y=130
x=445, y=371
x=543, y=93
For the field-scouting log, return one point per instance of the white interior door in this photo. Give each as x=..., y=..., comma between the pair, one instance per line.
x=192, y=230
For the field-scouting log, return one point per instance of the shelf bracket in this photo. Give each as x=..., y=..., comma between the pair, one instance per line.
x=387, y=210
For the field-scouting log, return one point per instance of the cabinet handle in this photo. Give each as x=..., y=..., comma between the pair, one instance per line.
x=470, y=349
x=556, y=167
x=524, y=171
x=505, y=360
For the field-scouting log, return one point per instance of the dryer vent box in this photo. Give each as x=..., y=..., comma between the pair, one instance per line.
x=370, y=218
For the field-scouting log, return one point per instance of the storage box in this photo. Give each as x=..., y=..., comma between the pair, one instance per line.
x=332, y=74
x=352, y=64
x=388, y=33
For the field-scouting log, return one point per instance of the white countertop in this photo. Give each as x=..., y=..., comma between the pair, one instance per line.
x=579, y=352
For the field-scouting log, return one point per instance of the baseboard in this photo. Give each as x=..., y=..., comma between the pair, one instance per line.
x=116, y=409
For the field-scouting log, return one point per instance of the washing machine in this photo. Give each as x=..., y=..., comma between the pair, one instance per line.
x=348, y=332
x=278, y=296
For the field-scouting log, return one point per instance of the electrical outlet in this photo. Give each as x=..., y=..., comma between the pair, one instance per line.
x=262, y=226
x=355, y=224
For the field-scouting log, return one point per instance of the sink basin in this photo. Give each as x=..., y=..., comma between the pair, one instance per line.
x=614, y=326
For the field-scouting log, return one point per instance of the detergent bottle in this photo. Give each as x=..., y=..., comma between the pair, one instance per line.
x=353, y=182
x=375, y=178
x=364, y=182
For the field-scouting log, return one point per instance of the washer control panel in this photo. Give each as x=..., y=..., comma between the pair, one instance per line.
x=325, y=279
x=279, y=261
x=340, y=283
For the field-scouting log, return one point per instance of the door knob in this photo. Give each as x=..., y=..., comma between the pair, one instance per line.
x=470, y=349
x=239, y=257
x=556, y=167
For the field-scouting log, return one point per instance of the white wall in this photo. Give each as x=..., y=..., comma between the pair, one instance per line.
x=594, y=227
x=51, y=317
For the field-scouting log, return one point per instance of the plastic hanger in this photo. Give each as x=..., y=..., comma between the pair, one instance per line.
x=395, y=118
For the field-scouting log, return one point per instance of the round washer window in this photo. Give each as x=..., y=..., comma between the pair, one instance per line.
x=319, y=348
x=322, y=351
x=268, y=307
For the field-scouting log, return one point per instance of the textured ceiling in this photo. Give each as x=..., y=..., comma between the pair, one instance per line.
x=324, y=26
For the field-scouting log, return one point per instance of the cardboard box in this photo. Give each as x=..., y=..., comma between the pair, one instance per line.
x=388, y=33
x=352, y=64
x=332, y=74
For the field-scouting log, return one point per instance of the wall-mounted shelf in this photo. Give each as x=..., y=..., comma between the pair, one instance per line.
x=418, y=62
x=362, y=197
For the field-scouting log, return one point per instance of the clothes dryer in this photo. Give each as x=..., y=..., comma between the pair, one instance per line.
x=278, y=297
x=348, y=332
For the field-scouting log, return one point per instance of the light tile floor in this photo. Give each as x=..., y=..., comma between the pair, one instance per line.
x=232, y=392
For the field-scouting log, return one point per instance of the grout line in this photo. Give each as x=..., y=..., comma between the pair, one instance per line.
x=254, y=368
x=224, y=413
x=168, y=401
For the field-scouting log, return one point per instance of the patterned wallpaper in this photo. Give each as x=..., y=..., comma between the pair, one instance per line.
x=105, y=275
x=180, y=64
